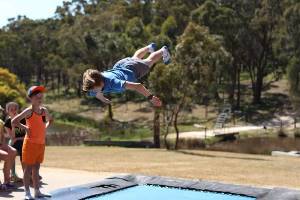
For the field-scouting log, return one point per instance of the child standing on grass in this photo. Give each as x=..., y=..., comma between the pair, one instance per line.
x=8, y=155
x=125, y=74
x=38, y=120
x=16, y=135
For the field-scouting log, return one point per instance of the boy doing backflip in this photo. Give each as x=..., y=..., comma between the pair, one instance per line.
x=125, y=75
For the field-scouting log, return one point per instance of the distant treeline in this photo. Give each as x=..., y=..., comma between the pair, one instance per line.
x=258, y=37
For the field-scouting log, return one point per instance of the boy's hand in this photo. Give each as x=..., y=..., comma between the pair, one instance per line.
x=156, y=101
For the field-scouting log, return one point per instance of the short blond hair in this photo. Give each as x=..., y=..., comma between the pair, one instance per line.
x=11, y=104
x=91, y=78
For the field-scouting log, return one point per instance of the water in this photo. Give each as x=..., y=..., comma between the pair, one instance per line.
x=145, y=192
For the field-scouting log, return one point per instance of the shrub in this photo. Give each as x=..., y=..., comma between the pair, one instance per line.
x=11, y=89
x=297, y=133
x=282, y=133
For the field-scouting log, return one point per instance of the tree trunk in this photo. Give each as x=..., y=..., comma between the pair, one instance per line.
x=46, y=79
x=176, y=129
x=238, y=95
x=79, y=88
x=52, y=82
x=258, y=88
x=66, y=83
x=110, y=112
x=166, y=137
x=58, y=81
x=168, y=123
x=39, y=75
x=156, y=128
x=233, y=84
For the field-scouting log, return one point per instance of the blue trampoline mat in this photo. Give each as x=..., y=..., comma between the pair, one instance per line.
x=147, y=192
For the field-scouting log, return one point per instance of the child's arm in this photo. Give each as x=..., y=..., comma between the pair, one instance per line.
x=16, y=120
x=11, y=133
x=140, y=88
x=102, y=98
x=48, y=118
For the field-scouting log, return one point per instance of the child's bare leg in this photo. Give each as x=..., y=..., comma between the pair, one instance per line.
x=154, y=57
x=140, y=54
x=35, y=177
x=26, y=177
x=6, y=169
x=9, y=154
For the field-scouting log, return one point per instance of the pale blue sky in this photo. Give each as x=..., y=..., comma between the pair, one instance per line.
x=33, y=9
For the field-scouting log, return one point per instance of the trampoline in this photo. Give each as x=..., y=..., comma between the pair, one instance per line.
x=137, y=187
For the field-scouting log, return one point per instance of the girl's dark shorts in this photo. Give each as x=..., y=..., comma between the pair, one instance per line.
x=18, y=145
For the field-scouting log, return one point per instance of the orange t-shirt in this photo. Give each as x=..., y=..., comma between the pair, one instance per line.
x=37, y=126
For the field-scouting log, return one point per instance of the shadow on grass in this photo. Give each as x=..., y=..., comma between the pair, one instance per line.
x=214, y=156
x=270, y=104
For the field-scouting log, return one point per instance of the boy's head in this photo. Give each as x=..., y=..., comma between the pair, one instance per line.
x=12, y=109
x=91, y=79
x=35, y=94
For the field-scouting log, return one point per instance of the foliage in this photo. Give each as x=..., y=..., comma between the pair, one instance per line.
x=10, y=88
x=213, y=43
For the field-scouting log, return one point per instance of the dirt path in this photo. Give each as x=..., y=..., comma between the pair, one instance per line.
x=214, y=132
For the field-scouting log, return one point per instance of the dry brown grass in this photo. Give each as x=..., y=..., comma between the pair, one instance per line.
x=220, y=166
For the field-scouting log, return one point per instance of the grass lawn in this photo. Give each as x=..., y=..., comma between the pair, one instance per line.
x=220, y=166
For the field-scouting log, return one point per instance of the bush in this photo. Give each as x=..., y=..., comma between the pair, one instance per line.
x=282, y=133
x=297, y=133
x=11, y=89
x=169, y=27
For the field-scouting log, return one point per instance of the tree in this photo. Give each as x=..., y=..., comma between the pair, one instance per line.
x=294, y=81
x=202, y=55
x=224, y=21
x=169, y=28
x=292, y=17
x=190, y=78
x=11, y=89
x=260, y=60
x=167, y=82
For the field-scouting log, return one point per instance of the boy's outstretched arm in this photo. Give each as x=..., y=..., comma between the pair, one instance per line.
x=140, y=88
x=102, y=98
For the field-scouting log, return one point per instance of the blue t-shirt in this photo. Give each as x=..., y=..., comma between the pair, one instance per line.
x=114, y=79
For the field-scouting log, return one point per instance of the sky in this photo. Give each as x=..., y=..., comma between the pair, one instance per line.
x=33, y=9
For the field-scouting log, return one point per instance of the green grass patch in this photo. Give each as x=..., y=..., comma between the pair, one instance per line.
x=75, y=120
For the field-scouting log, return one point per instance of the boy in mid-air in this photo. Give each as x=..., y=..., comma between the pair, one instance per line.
x=125, y=75
x=37, y=121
